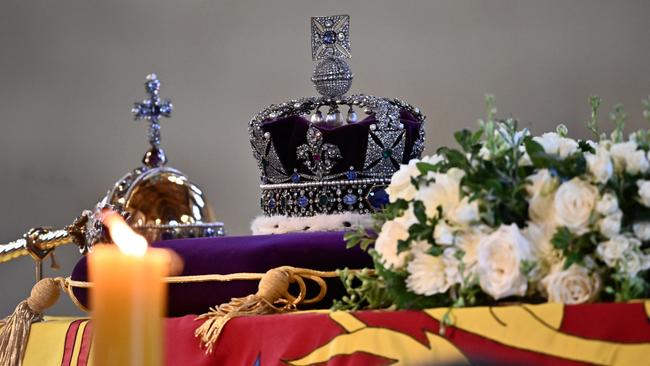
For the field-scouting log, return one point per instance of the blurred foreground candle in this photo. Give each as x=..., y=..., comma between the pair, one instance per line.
x=128, y=299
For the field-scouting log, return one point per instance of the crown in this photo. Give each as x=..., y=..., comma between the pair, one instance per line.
x=315, y=161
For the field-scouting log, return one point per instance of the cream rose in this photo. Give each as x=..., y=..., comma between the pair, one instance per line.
x=607, y=205
x=644, y=192
x=386, y=244
x=642, y=230
x=465, y=212
x=600, y=165
x=541, y=191
x=610, y=225
x=637, y=162
x=444, y=192
x=611, y=251
x=400, y=186
x=443, y=233
x=500, y=256
x=555, y=144
x=620, y=151
x=574, y=285
x=573, y=204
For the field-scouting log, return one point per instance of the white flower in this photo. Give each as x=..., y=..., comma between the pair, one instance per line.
x=432, y=159
x=400, y=183
x=600, y=164
x=430, y=275
x=644, y=191
x=443, y=233
x=540, y=236
x=555, y=144
x=632, y=262
x=611, y=251
x=610, y=225
x=386, y=244
x=468, y=241
x=541, y=192
x=408, y=217
x=642, y=230
x=500, y=256
x=620, y=151
x=607, y=205
x=574, y=202
x=465, y=212
x=571, y=286
x=444, y=192
x=636, y=162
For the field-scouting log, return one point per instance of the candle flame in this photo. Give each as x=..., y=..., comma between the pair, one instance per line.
x=123, y=236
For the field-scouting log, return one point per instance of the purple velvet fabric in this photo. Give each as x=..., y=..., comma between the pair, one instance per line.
x=321, y=251
x=352, y=140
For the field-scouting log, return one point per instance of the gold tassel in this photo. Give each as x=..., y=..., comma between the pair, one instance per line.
x=15, y=328
x=272, y=297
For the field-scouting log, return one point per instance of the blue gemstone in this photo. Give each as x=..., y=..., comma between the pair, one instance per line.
x=295, y=177
x=153, y=85
x=350, y=199
x=351, y=174
x=208, y=232
x=303, y=201
x=271, y=203
x=378, y=198
x=329, y=37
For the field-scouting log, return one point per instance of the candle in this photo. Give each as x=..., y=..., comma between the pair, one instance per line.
x=127, y=299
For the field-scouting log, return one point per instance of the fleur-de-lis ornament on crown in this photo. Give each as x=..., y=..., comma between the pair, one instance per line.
x=152, y=109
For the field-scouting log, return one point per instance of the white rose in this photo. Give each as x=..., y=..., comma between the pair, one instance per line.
x=444, y=192
x=620, y=151
x=607, y=205
x=443, y=233
x=430, y=275
x=610, y=225
x=550, y=141
x=637, y=162
x=500, y=256
x=400, y=183
x=611, y=251
x=468, y=241
x=541, y=192
x=600, y=165
x=432, y=159
x=632, y=262
x=408, y=218
x=567, y=147
x=571, y=286
x=644, y=191
x=386, y=244
x=642, y=230
x=573, y=203
x=555, y=144
x=540, y=237
x=465, y=212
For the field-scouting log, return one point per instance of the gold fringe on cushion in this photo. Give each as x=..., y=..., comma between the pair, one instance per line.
x=15, y=328
x=272, y=297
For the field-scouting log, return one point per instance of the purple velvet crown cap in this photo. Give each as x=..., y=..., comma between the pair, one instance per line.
x=288, y=133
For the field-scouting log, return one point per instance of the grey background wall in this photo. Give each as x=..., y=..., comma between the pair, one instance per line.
x=69, y=71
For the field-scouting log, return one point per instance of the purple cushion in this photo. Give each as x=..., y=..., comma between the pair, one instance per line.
x=322, y=251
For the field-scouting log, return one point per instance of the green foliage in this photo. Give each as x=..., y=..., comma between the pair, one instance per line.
x=497, y=160
x=574, y=248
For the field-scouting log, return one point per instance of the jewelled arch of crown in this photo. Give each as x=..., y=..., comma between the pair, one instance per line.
x=315, y=190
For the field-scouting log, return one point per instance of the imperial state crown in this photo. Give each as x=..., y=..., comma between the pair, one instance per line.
x=314, y=162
